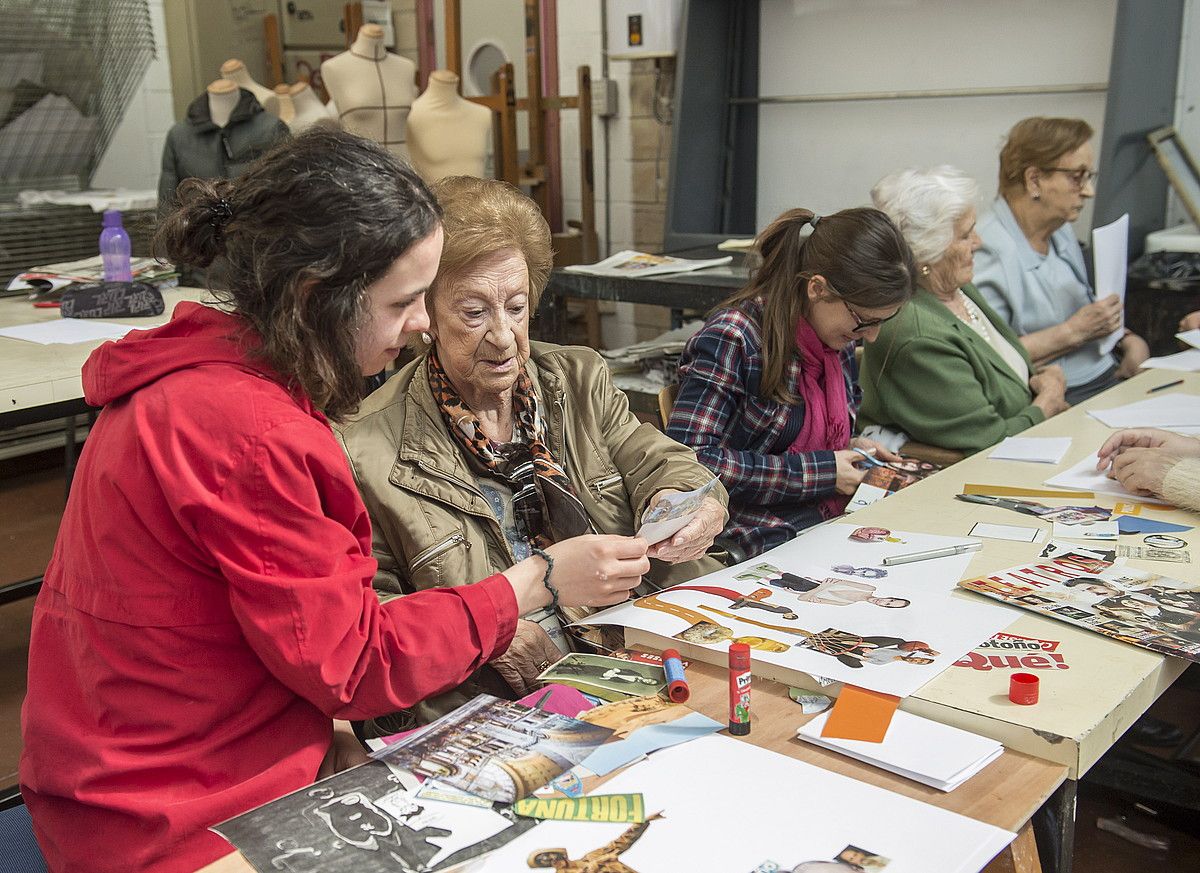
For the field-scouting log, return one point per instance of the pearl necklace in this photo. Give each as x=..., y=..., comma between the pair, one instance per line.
x=974, y=317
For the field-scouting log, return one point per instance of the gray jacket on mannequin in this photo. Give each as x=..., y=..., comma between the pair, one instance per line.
x=196, y=147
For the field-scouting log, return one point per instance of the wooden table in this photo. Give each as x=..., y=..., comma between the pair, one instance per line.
x=1108, y=685
x=1006, y=793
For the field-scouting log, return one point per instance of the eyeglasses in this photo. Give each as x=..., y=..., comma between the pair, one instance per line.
x=1079, y=177
x=860, y=324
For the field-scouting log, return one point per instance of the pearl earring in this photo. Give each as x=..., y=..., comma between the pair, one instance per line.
x=427, y=337
x=925, y=269
x=1036, y=196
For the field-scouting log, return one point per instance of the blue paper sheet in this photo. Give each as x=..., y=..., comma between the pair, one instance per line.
x=1136, y=524
x=610, y=756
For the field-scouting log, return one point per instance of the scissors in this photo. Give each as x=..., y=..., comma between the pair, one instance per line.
x=869, y=458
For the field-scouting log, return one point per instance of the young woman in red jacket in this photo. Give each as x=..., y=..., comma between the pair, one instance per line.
x=208, y=610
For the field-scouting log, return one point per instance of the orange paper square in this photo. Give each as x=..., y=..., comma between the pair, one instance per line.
x=860, y=714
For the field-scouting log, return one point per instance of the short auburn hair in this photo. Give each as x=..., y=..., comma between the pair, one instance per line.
x=1038, y=142
x=483, y=216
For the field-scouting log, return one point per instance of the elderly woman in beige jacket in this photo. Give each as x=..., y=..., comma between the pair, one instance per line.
x=1155, y=463
x=488, y=447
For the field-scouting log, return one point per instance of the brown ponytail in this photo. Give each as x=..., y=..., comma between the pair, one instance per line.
x=859, y=251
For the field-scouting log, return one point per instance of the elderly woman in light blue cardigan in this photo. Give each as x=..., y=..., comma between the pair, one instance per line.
x=1031, y=269
x=948, y=371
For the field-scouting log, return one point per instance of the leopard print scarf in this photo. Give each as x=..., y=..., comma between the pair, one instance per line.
x=545, y=504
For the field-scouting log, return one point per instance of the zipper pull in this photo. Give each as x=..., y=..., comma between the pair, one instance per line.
x=225, y=144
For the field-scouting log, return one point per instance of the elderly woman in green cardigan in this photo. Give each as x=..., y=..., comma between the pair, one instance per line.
x=948, y=371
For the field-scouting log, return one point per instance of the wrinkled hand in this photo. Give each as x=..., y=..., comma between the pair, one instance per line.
x=1141, y=471
x=597, y=569
x=880, y=450
x=1096, y=320
x=1048, y=378
x=848, y=475
x=1049, y=390
x=345, y=751
x=530, y=652
x=1191, y=321
x=1147, y=438
x=1134, y=352
x=693, y=539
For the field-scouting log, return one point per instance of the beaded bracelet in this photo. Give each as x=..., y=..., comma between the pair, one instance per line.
x=546, y=579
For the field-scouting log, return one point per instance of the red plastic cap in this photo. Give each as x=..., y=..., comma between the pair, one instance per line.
x=1023, y=689
x=739, y=656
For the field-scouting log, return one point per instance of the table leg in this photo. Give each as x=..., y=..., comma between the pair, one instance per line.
x=1054, y=828
x=1020, y=857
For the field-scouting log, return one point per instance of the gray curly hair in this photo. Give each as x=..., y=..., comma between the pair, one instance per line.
x=924, y=204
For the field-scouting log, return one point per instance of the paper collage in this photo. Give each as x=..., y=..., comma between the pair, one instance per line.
x=806, y=833
x=824, y=605
x=1082, y=586
x=363, y=821
x=887, y=478
x=496, y=749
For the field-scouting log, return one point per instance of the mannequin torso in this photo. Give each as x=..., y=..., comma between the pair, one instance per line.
x=373, y=89
x=308, y=106
x=280, y=104
x=235, y=71
x=223, y=98
x=447, y=135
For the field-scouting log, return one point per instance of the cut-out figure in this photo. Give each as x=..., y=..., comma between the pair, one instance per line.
x=737, y=599
x=855, y=651
x=606, y=859
x=863, y=572
x=836, y=592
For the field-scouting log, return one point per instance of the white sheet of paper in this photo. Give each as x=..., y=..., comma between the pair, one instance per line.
x=69, y=330
x=1085, y=477
x=917, y=748
x=937, y=615
x=1041, y=450
x=1170, y=410
x=1110, y=261
x=1015, y=533
x=1187, y=360
x=823, y=814
x=1191, y=337
x=1097, y=530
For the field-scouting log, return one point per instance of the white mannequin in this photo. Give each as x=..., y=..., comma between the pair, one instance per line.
x=447, y=135
x=223, y=97
x=280, y=104
x=373, y=89
x=309, y=108
x=235, y=71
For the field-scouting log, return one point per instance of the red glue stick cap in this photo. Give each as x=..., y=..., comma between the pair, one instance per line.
x=1023, y=689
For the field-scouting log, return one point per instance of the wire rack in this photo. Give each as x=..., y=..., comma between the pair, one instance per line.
x=68, y=69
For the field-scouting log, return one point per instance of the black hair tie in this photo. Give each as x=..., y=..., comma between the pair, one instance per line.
x=219, y=213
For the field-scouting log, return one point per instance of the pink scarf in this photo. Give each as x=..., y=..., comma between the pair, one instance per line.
x=826, y=412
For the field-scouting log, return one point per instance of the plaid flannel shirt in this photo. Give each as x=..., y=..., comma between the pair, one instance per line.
x=773, y=495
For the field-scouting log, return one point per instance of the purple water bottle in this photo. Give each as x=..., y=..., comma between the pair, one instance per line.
x=114, y=248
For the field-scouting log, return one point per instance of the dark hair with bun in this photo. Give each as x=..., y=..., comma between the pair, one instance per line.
x=298, y=238
x=859, y=251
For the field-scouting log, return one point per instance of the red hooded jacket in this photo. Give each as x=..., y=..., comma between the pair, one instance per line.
x=208, y=609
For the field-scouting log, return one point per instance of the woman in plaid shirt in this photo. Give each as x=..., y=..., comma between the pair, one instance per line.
x=768, y=389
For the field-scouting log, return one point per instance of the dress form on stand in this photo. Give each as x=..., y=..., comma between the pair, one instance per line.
x=373, y=89
x=280, y=104
x=309, y=108
x=235, y=71
x=223, y=96
x=447, y=134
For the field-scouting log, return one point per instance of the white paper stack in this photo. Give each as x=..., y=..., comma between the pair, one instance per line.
x=1187, y=361
x=1110, y=259
x=916, y=748
x=1040, y=450
x=1173, y=409
x=1191, y=337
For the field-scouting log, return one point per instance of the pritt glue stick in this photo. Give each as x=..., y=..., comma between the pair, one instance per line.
x=739, y=689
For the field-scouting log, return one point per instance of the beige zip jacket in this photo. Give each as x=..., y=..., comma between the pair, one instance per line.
x=431, y=524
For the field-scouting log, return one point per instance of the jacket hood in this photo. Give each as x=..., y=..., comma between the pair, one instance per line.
x=195, y=336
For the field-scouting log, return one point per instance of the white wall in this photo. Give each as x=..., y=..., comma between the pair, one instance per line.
x=135, y=153
x=827, y=155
